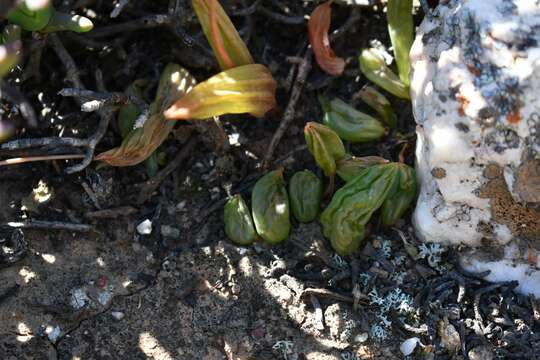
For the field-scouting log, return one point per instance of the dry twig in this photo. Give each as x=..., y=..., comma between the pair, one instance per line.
x=50, y=225
x=290, y=111
x=111, y=213
x=24, y=160
x=120, y=5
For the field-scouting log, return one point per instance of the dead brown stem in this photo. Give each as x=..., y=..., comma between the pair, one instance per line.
x=290, y=111
x=23, y=160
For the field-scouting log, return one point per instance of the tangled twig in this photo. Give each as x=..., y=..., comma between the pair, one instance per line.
x=72, y=74
x=98, y=100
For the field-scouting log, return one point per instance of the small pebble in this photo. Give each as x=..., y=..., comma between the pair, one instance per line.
x=53, y=333
x=407, y=347
x=361, y=338
x=207, y=250
x=118, y=315
x=145, y=227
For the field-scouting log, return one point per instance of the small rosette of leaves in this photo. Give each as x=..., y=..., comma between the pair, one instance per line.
x=378, y=102
x=270, y=208
x=140, y=143
x=239, y=225
x=318, y=27
x=325, y=146
x=305, y=194
x=373, y=66
x=243, y=89
x=349, y=123
x=229, y=48
x=44, y=18
x=351, y=166
x=401, y=30
x=352, y=206
x=401, y=195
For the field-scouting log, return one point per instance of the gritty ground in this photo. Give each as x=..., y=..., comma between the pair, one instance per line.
x=104, y=291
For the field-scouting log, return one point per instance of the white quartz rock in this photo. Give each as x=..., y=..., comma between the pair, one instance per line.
x=475, y=85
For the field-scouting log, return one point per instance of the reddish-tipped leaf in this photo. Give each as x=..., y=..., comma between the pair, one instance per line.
x=318, y=26
x=243, y=89
x=229, y=48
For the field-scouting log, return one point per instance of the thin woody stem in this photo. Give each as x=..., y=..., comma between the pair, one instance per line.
x=23, y=160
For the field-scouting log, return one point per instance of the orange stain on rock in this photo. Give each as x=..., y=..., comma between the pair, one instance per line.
x=463, y=103
x=514, y=117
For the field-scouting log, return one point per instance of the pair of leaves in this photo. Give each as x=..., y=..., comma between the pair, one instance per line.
x=270, y=210
x=243, y=87
x=389, y=187
x=401, y=29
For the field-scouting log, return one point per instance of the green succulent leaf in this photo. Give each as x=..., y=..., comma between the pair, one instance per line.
x=401, y=196
x=380, y=104
x=31, y=20
x=67, y=22
x=349, y=123
x=401, y=29
x=325, y=146
x=305, y=194
x=375, y=69
x=239, y=225
x=352, y=206
x=351, y=166
x=47, y=19
x=270, y=208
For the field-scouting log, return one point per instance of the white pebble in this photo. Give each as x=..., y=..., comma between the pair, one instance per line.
x=118, y=315
x=145, y=228
x=407, y=347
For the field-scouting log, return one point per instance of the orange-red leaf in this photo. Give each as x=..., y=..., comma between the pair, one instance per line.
x=318, y=26
x=243, y=89
x=229, y=48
